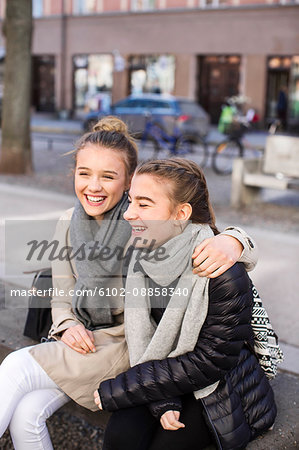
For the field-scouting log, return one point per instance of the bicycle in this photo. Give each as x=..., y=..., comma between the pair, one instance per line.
x=230, y=148
x=155, y=138
x=234, y=123
x=234, y=145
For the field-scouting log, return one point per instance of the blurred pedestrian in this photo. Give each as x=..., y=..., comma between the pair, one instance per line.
x=282, y=106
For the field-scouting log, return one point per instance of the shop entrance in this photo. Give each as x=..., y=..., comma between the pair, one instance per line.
x=92, y=83
x=283, y=77
x=218, y=78
x=43, y=83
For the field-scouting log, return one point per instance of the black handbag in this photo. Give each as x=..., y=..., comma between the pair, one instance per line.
x=39, y=319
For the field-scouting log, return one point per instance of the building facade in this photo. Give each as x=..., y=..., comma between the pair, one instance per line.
x=87, y=53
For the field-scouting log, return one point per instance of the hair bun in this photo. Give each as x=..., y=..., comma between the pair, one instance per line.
x=111, y=123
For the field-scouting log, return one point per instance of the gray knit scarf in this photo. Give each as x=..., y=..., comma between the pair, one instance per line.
x=177, y=332
x=97, y=273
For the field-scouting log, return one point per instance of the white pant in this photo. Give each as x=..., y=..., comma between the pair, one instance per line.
x=28, y=397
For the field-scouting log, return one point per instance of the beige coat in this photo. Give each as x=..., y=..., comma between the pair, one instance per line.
x=76, y=374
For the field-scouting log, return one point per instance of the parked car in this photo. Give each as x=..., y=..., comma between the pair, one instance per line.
x=189, y=116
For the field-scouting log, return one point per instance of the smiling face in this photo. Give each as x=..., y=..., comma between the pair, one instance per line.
x=151, y=213
x=100, y=179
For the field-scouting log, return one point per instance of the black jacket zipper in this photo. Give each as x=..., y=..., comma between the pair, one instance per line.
x=212, y=427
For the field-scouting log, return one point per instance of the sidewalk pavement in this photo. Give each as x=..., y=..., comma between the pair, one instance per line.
x=48, y=123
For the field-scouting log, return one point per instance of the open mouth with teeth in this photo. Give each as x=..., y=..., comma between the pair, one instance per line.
x=94, y=200
x=137, y=229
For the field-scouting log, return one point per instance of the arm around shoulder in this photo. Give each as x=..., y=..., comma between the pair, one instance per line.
x=249, y=256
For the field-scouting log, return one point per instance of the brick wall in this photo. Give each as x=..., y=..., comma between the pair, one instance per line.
x=113, y=5
x=52, y=7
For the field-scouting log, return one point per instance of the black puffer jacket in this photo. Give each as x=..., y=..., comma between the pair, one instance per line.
x=243, y=404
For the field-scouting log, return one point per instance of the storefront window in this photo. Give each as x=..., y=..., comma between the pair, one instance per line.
x=213, y=3
x=294, y=89
x=219, y=77
x=283, y=75
x=93, y=80
x=37, y=8
x=142, y=5
x=84, y=6
x=152, y=74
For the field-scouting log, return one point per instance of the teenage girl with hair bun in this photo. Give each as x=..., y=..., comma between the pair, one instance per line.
x=88, y=343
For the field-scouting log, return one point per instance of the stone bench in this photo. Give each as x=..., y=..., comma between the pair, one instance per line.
x=278, y=169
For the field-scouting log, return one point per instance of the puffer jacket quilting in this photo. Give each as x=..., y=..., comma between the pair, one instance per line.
x=220, y=354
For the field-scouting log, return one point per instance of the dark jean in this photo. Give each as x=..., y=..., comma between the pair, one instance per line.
x=136, y=429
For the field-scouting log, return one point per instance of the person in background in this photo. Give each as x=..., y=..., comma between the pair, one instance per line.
x=282, y=106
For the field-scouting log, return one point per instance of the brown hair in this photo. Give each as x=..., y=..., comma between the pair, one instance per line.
x=188, y=185
x=111, y=132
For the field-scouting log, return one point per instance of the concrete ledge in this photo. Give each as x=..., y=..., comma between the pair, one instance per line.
x=248, y=179
x=55, y=130
x=265, y=181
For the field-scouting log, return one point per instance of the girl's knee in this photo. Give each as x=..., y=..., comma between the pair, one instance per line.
x=13, y=361
x=31, y=413
x=24, y=417
x=10, y=362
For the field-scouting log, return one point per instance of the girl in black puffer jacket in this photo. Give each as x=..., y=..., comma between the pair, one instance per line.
x=189, y=339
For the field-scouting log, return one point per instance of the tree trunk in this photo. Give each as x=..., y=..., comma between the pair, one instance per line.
x=16, y=139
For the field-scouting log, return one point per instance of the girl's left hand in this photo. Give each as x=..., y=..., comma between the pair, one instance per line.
x=216, y=255
x=170, y=421
x=97, y=400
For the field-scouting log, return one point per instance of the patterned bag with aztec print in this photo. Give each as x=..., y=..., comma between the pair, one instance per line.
x=266, y=344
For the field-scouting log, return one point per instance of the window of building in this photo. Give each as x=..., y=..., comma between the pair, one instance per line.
x=84, y=6
x=152, y=74
x=218, y=78
x=216, y=3
x=43, y=83
x=294, y=91
x=283, y=75
x=278, y=78
x=93, y=80
x=37, y=8
x=143, y=5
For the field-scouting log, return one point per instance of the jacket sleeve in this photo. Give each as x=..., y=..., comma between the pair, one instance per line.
x=159, y=407
x=249, y=256
x=220, y=341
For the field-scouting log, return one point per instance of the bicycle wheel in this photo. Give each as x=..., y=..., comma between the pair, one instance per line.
x=152, y=139
x=149, y=147
x=224, y=155
x=193, y=145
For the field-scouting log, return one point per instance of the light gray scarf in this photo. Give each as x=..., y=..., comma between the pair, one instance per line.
x=178, y=330
x=96, y=272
